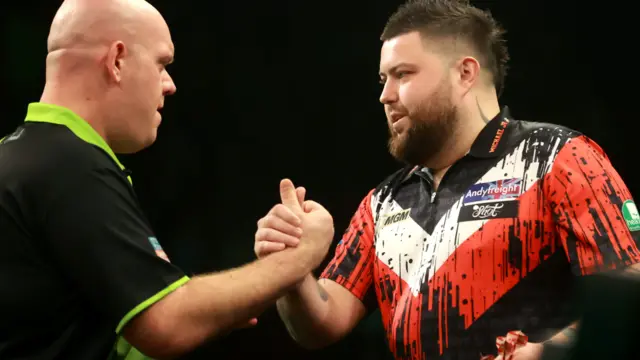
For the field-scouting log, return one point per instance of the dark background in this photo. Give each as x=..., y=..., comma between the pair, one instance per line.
x=270, y=89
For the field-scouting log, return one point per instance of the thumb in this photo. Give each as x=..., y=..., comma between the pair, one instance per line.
x=288, y=196
x=301, y=192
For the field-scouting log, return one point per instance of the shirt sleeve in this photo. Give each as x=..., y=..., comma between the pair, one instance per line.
x=596, y=219
x=99, y=237
x=352, y=263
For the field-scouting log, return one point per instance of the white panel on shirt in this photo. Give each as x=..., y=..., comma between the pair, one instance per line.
x=403, y=241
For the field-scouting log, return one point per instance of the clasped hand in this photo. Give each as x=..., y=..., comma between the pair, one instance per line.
x=295, y=223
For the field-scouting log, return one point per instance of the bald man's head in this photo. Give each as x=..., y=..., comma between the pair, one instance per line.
x=90, y=22
x=108, y=58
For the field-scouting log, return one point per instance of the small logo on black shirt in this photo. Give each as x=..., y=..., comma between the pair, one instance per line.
x=158, y=249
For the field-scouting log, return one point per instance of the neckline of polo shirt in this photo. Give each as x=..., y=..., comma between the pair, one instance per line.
x=490, y=134
x=482, y=143
x=54, y=114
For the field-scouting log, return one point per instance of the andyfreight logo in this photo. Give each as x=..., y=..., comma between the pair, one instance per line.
x=631, y=215
x=499, y=190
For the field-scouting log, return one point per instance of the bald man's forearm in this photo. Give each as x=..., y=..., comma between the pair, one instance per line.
x=211, y=305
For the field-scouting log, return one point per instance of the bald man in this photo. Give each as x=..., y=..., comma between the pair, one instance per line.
x=82, y=273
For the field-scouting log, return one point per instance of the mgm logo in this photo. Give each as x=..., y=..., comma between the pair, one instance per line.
x=396, y=217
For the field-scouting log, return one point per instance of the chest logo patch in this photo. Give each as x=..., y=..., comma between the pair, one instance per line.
x=631, y=215
x=396, y=217
x=498, y=190
x=491, y=200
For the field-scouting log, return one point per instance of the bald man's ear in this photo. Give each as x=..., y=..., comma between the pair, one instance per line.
x=115, y=61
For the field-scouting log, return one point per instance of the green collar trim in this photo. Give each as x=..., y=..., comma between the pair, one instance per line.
x=54, y=114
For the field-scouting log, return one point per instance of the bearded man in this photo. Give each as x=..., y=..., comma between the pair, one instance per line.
x=480, y=238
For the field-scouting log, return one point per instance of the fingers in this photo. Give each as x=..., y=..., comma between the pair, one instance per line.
x=284, y=213
x=278, y=230
x=264, y=248
x=288, y=196
x=274, y=220
x=301, y=192
x=275, y=236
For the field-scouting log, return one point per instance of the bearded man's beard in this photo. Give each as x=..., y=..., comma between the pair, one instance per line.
x=433, y=124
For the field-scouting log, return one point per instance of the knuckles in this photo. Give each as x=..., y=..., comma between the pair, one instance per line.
x=278, y=209
x=267, y=221
x=263, y=234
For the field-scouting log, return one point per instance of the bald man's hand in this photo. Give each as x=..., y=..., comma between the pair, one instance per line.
x=315, y=221
x=211, y=305
x=279, y=229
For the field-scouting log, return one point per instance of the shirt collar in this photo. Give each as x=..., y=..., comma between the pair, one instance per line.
x=493, y=139
x=491, y=142
x=54, y=114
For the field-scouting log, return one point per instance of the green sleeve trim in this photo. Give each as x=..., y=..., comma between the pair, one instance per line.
x=124, y=351
x=150, y=301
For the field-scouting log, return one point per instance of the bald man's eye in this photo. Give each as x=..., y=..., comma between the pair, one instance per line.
x=401, y=74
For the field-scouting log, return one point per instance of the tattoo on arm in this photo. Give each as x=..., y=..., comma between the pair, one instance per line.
x=296, y=325
x=323, y=293
x=484, y=117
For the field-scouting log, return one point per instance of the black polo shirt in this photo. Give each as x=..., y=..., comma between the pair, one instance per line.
x=496, y=248
x=78, y=258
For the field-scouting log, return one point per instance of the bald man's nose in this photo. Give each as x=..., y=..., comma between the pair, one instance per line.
x=389, y=93
x=169, y=87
